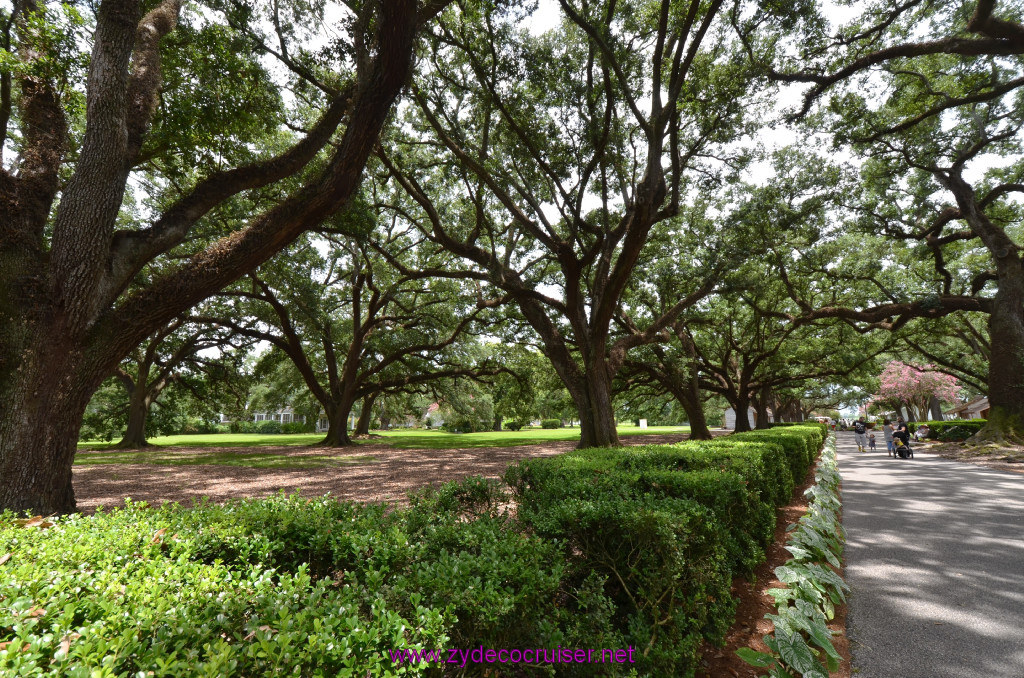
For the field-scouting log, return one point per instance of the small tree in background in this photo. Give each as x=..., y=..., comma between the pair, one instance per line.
x=905, y=385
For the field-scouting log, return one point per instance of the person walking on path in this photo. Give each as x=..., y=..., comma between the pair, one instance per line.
x=860, y=429
x=887, y=433
x=933, y=561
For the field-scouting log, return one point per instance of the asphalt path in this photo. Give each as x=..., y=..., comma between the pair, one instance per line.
x=935, y=563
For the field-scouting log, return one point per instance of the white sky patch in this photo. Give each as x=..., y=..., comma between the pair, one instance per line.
x=547, y=16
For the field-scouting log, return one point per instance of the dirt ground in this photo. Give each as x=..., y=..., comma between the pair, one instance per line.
x=1008, y=458
x=394, y=473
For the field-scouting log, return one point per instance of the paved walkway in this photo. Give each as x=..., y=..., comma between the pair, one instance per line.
x=935, y=562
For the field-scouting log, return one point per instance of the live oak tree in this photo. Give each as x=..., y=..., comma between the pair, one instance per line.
x=171, y=355
x=545, y=161
x=957, y=345
x=81, y=126
x=670, y=367
x=357, y=329
x=931, y=94
x=749, y=351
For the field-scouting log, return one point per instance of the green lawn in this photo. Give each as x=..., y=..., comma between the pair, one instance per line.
x=402, y=438
x=412, y=438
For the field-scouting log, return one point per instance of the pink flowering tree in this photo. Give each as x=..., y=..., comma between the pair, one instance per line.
x=913, y=386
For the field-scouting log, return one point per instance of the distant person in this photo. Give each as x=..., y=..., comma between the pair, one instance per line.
x=871, y=442
x=887, y=430
x=902, y=432
x=860, y=429
x=922, y=432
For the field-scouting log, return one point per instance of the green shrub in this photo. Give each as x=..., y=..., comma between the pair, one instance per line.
x=244, y=427
x=462, y=424
x=268, y=427
x=661, y=563
x=497, y=586
x=513, y=425
x=608, y=548
x=125, y=593
x=938, y=429
x=749, y=521
x=955, y=434
x=298, y=427
x=763, y=465
x=551, y=423
x=801, y=444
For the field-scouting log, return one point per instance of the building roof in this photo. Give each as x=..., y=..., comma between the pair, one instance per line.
x=979, y=403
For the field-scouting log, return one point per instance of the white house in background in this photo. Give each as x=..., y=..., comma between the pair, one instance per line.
x=283, y=416
x=973, y=409
x=729, y=418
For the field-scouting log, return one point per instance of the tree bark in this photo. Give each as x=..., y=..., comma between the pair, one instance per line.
x=742, y=407
x=139, y=403
x=1006, y=367
x=936, y=409
x=42, y=407
x=688, y=396
x=337, y=425
x=365, y=415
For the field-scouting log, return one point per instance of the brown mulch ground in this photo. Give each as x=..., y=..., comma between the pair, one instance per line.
x=389, y=478
x=1005, y=458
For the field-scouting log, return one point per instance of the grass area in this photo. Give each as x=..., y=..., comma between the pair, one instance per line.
x=419, y=438
x=401, y=439
x=219, y=440
x=163, y=457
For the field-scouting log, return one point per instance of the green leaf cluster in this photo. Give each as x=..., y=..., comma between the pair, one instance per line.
x=802, y=642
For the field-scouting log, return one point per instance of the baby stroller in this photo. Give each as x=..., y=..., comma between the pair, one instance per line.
x=901, y=448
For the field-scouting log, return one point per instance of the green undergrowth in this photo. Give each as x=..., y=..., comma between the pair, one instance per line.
x=801, y=643
x=625, y=548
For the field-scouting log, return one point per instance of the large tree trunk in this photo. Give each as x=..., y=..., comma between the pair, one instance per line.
x=688, y=396
x=337, y=424
x=42, y=404
x=1005, y=321
x=761, y=408
x=139, y=403
x=698, y=423
x=365, y=415
x=1006, y=367
x=593, y=399
x=936, y=409
x=742, y=407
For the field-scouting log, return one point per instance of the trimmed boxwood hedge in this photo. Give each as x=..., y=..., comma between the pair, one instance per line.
x=630, y=547
x=737, y=482
x=940, y=429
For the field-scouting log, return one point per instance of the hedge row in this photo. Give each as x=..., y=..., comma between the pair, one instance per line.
x=665, y=529
x=956, y=429
x=608, y=549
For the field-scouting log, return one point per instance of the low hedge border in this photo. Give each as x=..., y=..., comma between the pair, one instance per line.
x=801, y=643
x=641, y=519
x=945, y=430
x=630, y=547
